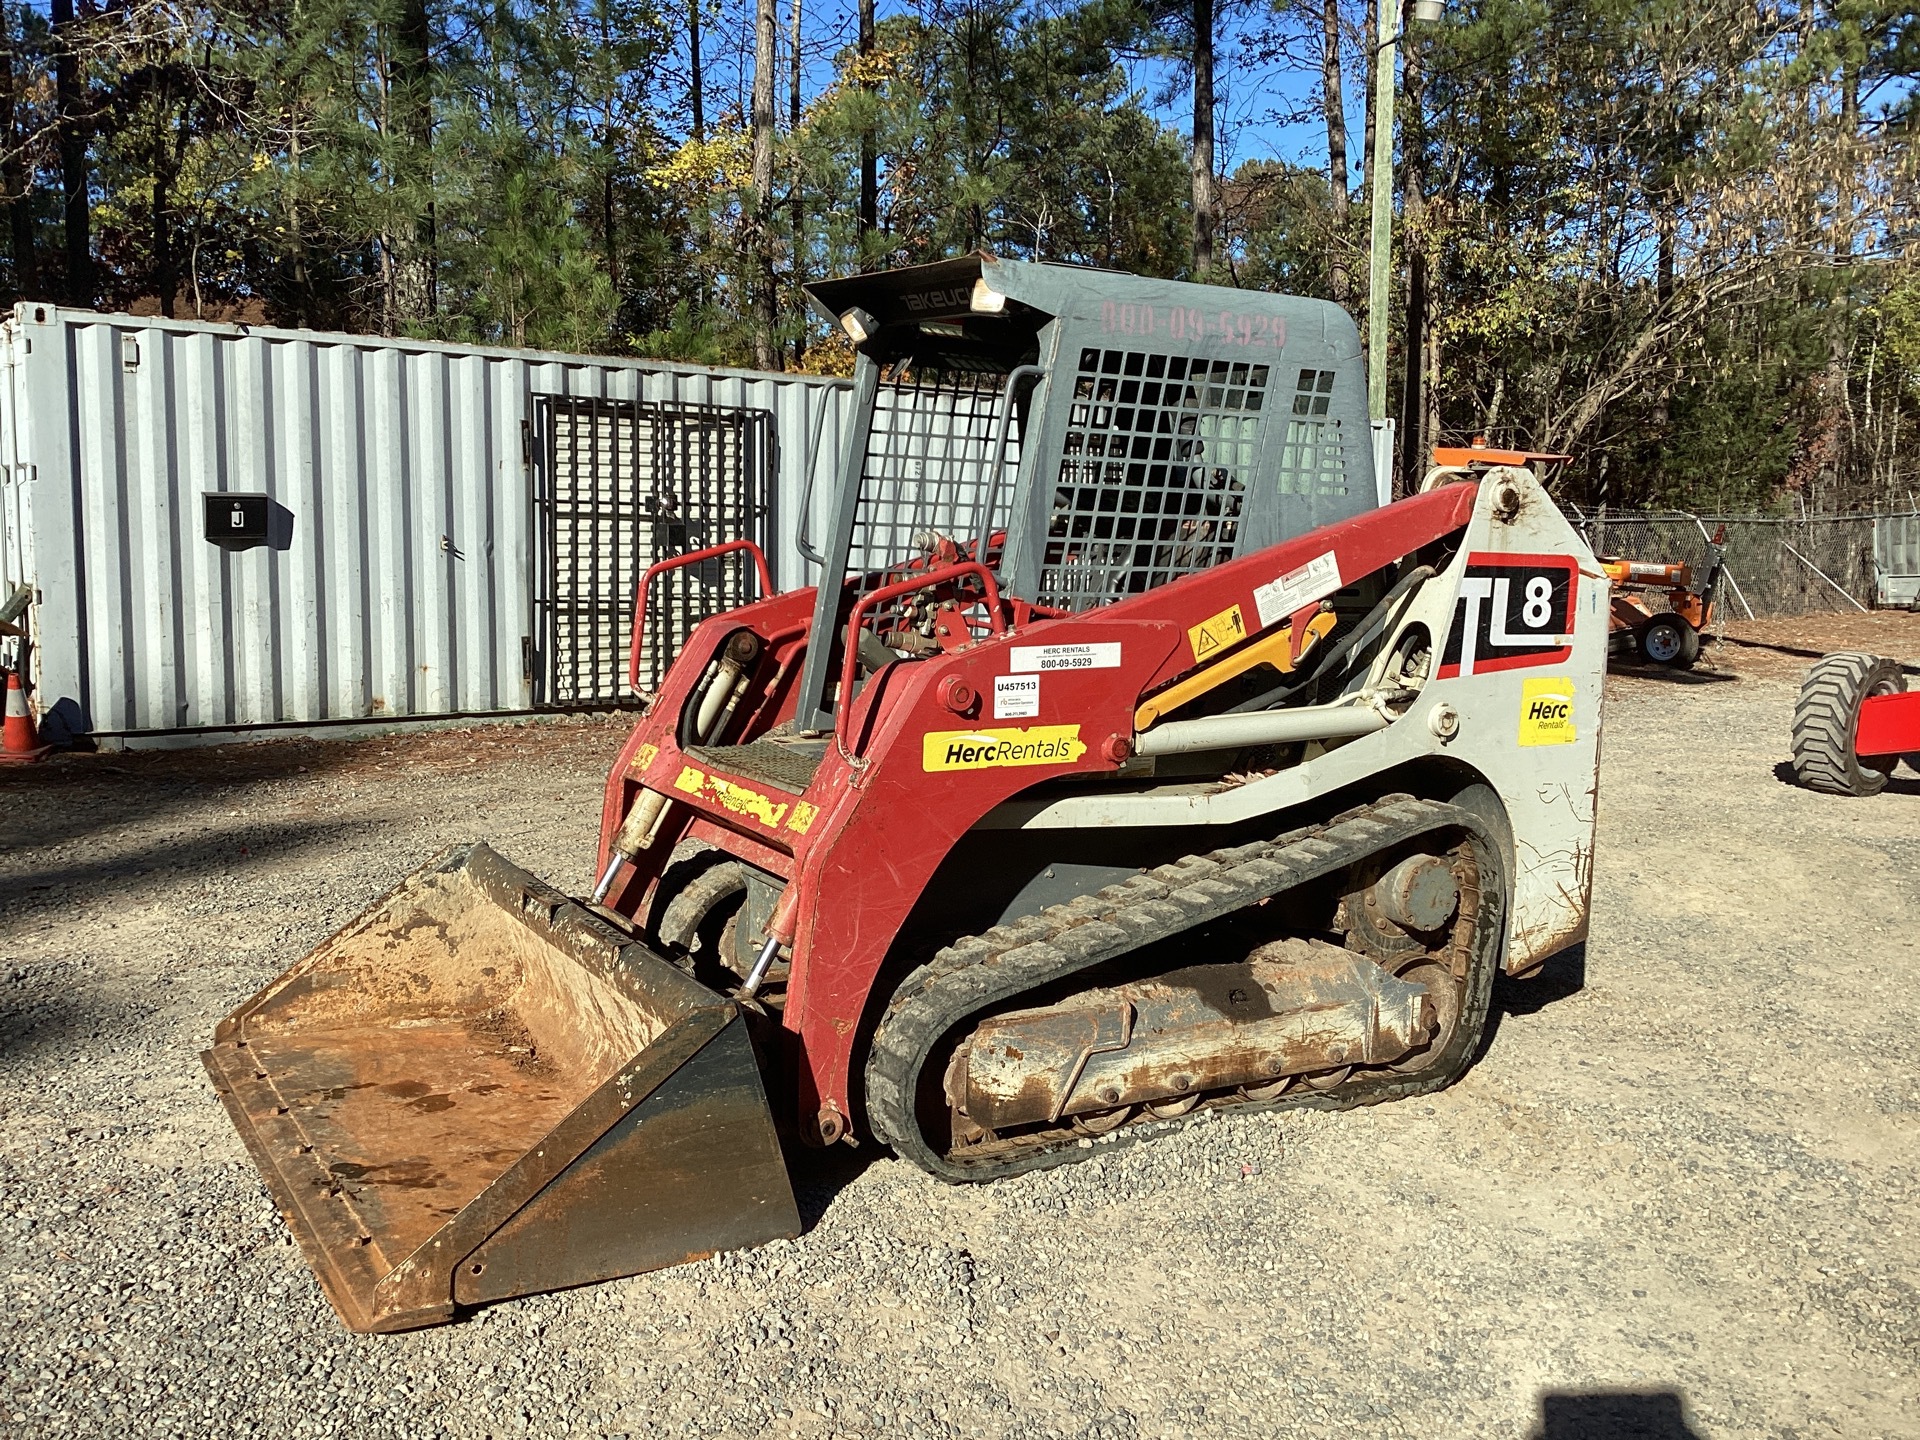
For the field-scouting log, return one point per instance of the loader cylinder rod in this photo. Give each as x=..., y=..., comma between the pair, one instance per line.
x=761, y=964
x=614, y=862
x=635, y=834
x=1262, y=727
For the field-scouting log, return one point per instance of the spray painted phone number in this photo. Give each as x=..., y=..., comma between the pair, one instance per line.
x=1178, y=322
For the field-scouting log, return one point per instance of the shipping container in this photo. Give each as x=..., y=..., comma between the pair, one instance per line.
x=227, y=527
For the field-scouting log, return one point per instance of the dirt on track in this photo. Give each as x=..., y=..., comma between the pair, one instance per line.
x=1679, y=1191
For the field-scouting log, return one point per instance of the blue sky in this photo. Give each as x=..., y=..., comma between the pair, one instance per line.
x=1249, y=97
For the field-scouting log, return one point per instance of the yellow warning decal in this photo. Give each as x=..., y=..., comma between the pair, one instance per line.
x=989, y=749
x=1546, y=711
x=645, y=756
x=1216, y=633
x=730, y=795
x=802, y=818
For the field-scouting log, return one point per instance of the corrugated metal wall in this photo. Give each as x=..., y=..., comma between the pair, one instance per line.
x=405, y=586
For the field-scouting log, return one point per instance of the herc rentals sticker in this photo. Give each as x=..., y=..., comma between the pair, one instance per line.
x=988, y=749
x=1546, y=711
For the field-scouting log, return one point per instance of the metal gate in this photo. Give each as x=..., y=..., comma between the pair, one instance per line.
x=625, y=484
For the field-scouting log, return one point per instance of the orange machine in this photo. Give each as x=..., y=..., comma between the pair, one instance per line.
x=1664, y=637
x=1467, y=457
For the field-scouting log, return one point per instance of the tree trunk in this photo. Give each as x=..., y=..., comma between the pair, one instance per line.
x=166, y=281
x=14, y=175
x=1836, y=421
x=610, y=222
x=415, y=270
x=1664, y=378
x=1373, y=65
x=1430, y=386
x=610, y=168
x=696, y=77
x=1413, y=398
x=1664, y=221
x=869, y=140
x=1202, y=158
x=296, y=232
x=1333, y=103
x=1413, y=211
x=697, y=121
x=796, y=199
x=73, y=157
x=765, y=67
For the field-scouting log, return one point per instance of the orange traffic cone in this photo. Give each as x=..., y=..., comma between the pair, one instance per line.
x=19, y=740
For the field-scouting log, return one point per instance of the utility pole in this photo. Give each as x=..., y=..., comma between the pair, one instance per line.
x=1380, y=268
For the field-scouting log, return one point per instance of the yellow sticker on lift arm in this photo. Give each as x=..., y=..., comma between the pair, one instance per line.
x=1216, y=633
x=731, y=795
x=1546, y=711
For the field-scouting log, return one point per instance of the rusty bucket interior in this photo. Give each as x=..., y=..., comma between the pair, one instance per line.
x=481, y=1089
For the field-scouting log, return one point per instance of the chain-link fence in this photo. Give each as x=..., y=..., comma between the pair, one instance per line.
x=1775, y=566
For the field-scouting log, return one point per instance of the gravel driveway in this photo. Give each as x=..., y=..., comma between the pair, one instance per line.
x=1678, y=1194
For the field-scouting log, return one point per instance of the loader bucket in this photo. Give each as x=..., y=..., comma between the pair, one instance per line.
x=479, y=1089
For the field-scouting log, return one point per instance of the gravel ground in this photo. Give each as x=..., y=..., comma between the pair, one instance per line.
x=1677, y=1197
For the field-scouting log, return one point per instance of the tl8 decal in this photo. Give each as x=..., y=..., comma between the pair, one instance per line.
x=1514, y=611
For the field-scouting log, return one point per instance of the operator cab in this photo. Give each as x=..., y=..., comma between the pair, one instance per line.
x=1083, y=434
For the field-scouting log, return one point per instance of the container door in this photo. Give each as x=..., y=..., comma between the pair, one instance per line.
x=623, y=484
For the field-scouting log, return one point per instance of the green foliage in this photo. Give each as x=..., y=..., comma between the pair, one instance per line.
x=1674, y=239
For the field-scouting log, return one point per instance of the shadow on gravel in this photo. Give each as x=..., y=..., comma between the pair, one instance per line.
x=1563, y=975
x=1795, y=650
x=55, y=887
x=820, y=1175
x=1615, y=1415
x=77, y=796
x=1899, y=783
x=1669, y=675
x=30, y=1022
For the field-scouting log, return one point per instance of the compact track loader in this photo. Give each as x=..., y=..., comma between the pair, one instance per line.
x=1128, y=759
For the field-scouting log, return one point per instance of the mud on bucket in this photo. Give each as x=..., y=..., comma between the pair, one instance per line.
x=479, y=1089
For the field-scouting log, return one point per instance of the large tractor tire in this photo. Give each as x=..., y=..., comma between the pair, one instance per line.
x=1827, y=718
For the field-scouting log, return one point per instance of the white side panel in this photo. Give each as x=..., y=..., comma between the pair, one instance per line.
x=1548, y=790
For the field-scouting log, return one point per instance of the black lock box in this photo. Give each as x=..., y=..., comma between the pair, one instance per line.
x=237, y=519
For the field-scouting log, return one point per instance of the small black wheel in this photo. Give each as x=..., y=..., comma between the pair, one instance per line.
x=1827, y=717
x=1670, y=640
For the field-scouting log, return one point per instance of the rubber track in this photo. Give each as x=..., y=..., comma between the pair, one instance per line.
x=1825, y=719
x=985, y=970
